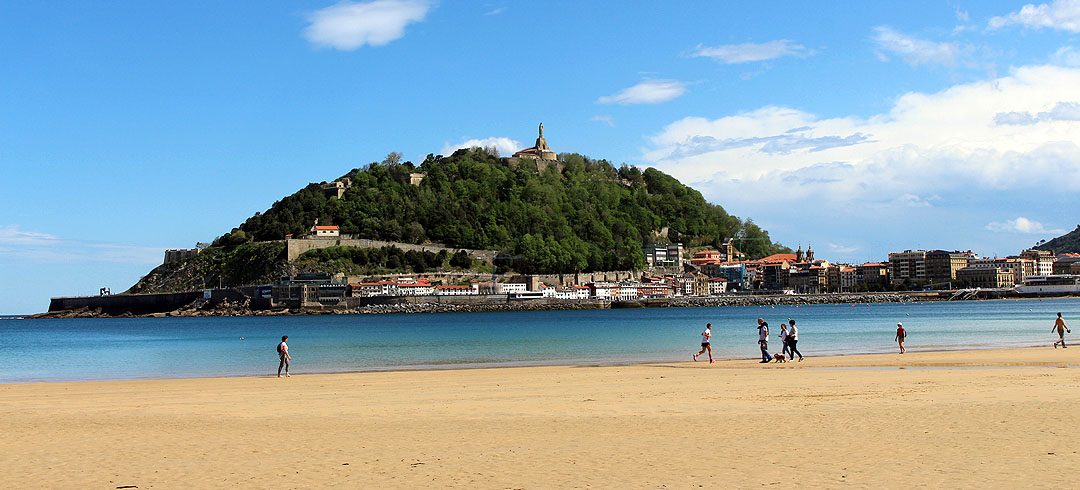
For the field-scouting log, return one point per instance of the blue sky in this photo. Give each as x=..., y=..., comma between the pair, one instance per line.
x=130, y=127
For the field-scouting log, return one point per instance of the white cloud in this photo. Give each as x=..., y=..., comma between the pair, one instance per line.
x=917, y=51
x=349, y=25
x=36, y=247
x=1021, y=225
x=506, y=146
x=842, y=249
x=950, y=143
x=1062, y=15
x=1066, y=56
x=496, y=11
x=647, y=92
x=606, y=119
x=1062, y=111
x=747, y=52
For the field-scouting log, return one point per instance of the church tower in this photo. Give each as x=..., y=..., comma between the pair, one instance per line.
x=809, y=253
x=799, y=254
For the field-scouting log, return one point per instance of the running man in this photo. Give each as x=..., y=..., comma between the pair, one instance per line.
x=900, y=334
x=1059, y=325
x=793, y=340
x=763, y=340
x=283, y=356
x=705, y=346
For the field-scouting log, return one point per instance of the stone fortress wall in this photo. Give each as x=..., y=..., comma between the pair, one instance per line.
x=297, y=246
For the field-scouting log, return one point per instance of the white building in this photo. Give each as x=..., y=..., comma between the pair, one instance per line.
x=325, y=231
x=512, y=287
x=454, y=291
x=717, y=286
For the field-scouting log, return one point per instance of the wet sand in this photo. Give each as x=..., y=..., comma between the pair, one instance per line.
x=855, y=421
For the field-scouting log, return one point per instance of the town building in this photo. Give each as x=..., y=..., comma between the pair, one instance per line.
x=717, y=286
x=941, y=265
x=907, y=266
x=327, y=231
x=873, y=276
x=512, y=287
x=664, y=255
x=455, y=291
x=986, y=277
x=1044, y=261
x=1067, y=263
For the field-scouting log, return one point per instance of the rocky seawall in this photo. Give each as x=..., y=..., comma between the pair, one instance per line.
x=201, y=308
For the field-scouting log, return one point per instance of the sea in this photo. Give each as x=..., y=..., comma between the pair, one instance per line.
x=152, y=348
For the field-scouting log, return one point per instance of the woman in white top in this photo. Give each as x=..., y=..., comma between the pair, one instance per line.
x=793, y=340
x=786, y=350
x=705, y=345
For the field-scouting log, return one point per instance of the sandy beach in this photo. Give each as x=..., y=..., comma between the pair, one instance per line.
x=995, y=418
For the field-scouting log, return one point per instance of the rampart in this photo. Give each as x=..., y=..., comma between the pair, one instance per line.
x=297, y=246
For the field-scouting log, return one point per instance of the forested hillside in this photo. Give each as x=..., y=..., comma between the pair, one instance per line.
x=586, y=216
x=1067, y=243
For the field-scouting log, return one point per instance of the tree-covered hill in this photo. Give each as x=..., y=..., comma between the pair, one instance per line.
x=1067, y=243
x=579, y=215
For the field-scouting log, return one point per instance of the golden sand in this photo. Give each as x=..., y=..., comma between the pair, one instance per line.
x=734, y=424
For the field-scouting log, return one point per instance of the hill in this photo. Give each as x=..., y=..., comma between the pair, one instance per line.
x=574, y=215
x=1067, y=243
x=577, y=215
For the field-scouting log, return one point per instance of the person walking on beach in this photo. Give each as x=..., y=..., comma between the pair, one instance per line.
x=785, y=347
x=1059, y=325
x=900, y=334
x=793, y=340
x=705, y=346
x=283, y=356
x=763, y=340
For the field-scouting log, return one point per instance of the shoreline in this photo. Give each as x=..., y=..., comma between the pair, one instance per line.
x=830, y=360
x=406, y=305
x=838, y=421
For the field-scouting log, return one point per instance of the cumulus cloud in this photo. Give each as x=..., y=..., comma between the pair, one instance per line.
x=950, y=143
x=37, y=247
x=1061, y=15
x=647, y=92
x=506, y=146
x=350, y=25
x=1021, y=225
x=1066, y=56
x=917, y=51
x=1062, y=111
x=842, y=249
x=748, y=52
x=606, y=119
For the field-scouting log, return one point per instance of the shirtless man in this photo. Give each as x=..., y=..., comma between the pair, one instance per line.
x=1060, y=327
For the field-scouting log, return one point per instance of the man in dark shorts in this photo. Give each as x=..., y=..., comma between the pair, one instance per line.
x=763, y=340
x=705, y=346
x=1060, y=327
x=901, y=334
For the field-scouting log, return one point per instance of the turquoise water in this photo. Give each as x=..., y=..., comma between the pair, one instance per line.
x=134, y=348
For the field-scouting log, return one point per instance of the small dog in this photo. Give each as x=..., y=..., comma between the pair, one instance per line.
x=779, y=358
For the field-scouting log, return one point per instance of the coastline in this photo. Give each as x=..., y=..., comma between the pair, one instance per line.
x=829, y=421
x=405, y=305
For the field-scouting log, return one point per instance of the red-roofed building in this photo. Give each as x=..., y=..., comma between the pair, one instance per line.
x=325, y=231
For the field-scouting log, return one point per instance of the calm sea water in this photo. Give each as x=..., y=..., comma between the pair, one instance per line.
x=133, y=348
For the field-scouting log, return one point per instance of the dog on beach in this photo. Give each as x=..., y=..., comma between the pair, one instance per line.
x=779, y=358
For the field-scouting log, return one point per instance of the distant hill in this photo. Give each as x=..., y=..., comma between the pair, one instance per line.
x=576, y=215
x=573, y=215
x=1067, y=243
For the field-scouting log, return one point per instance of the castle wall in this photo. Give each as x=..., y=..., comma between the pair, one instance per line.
x=297, y=246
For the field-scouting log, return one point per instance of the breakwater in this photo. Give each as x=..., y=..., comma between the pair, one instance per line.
x=239, y=302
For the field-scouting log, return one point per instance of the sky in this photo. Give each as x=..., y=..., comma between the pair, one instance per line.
x=857, y=128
